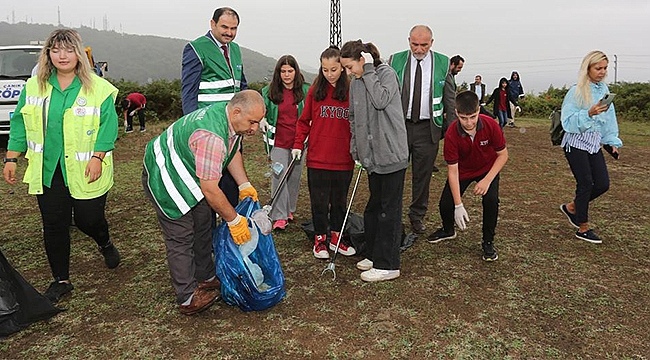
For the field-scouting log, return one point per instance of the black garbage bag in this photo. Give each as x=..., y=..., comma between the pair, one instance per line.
x=354, y=233
x=20, y=304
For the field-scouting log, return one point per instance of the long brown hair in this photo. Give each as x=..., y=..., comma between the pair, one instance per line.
x=64, y=39
x=276, y=87
x=321, y=84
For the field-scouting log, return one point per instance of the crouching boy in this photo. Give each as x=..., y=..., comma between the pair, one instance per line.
x=475, y=151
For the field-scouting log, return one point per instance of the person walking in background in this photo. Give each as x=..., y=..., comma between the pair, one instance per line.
x=421, y=73
x=134, y=103
x=475, y=151
x=66, y=124
x=284, y=98
x=324, y=122
x=455, y=66
x=212, y=71
x=588, y=124
x=182, y=168
x=379, y=143
x=478, y=87
x=501, y=98
x=516, y=92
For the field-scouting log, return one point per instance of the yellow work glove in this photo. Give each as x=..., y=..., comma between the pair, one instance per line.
x=246, y=189
x=239, y=230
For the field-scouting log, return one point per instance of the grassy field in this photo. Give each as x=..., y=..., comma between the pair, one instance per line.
x=548, y=296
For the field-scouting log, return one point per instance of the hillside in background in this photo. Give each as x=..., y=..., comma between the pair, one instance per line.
x=134, y=57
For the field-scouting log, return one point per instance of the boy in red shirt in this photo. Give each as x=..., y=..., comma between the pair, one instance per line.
x=475, y=150
x=134, y=103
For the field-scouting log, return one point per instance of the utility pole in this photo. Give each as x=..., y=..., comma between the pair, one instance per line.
x=615, y=69
x=335, y=23
x=58, y=10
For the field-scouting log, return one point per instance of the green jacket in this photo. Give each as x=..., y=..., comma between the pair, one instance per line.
x=219, y=82
x=272, y=114
x=171, y=165
x=401, y=63
x=81, y=125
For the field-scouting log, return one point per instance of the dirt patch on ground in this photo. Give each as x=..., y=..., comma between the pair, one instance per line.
x=548, y=296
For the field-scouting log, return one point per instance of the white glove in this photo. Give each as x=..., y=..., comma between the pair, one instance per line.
x=132, y=113
x=296, y=154
x=264, y=125
x=367, y=57
x=460, y=215
x=517, y=108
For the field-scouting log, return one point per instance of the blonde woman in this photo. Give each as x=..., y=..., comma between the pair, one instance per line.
x=588, y=124
x=66, y=124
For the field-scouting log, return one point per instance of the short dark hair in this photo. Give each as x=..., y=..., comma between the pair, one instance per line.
x=456, y=59
x=125, y=104
x=224, y=11
x=467, y=102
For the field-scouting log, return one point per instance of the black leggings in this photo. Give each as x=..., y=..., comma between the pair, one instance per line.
x=592, y=179
x=328, y=193
x=56, y=205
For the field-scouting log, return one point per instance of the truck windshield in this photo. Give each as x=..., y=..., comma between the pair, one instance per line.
x=17, y=63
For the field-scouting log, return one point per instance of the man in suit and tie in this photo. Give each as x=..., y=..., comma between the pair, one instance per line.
x=421, y=72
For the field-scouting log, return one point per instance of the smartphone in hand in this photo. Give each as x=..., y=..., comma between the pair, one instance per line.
x=610, y=150
x=607, y=99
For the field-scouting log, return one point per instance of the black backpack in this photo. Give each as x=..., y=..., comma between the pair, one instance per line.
x=556, y=130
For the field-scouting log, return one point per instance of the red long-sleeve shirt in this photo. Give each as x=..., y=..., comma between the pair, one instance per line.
x=327, y=125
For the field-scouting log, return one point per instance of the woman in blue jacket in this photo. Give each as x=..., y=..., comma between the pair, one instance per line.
x=588, y=124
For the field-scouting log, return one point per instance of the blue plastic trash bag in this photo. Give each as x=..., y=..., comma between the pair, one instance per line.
x=252, y=282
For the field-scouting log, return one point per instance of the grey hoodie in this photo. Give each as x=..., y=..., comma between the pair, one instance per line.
x=377, y=121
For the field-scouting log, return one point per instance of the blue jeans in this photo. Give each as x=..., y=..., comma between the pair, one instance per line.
x=503, y=117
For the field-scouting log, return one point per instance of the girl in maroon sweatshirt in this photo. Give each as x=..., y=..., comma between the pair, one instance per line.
x=324, y=123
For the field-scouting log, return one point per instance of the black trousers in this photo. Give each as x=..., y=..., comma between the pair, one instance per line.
x=382, y=220
x=129, y=119
x=56, y=205
x=592, y=179
x=328, y=194
x=490, y=203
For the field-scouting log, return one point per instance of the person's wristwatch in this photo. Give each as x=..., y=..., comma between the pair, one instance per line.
x=6, y=160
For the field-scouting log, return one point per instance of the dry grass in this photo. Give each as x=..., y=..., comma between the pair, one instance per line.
x=549, y=295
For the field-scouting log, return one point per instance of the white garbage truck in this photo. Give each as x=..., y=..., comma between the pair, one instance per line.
x=16, y=65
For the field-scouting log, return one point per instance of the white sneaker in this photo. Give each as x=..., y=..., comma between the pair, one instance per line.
x=379, y=275
x=364, y=265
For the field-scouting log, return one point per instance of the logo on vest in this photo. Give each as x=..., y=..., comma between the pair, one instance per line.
x=81, y=101
x=90, y=132
x=80, y=111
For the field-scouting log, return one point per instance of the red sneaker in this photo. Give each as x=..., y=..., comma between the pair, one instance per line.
x=320, y=249
x=343, y=248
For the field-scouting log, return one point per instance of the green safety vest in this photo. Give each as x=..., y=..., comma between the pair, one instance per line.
x=171, y=165
x=272, y=114
x=219, y=82
x=80, y=127
x=440, y=67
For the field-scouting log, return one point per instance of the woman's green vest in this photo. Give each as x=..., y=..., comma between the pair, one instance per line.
x=272, y=114
x=80, y=127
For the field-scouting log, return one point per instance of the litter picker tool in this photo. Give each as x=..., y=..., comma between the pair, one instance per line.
x=331, y=267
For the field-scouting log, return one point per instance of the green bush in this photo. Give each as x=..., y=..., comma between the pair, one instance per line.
x=632, y=101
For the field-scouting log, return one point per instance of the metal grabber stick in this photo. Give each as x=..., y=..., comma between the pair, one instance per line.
x=331, y=267
x=283, y=180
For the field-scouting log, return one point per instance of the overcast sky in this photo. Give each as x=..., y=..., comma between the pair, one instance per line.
x=543, y=40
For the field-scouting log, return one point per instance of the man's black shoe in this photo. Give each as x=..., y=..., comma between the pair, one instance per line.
x=418, y=227
x=57, y=290
x=440, y=235
x=111, y=255
x=489, y=252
